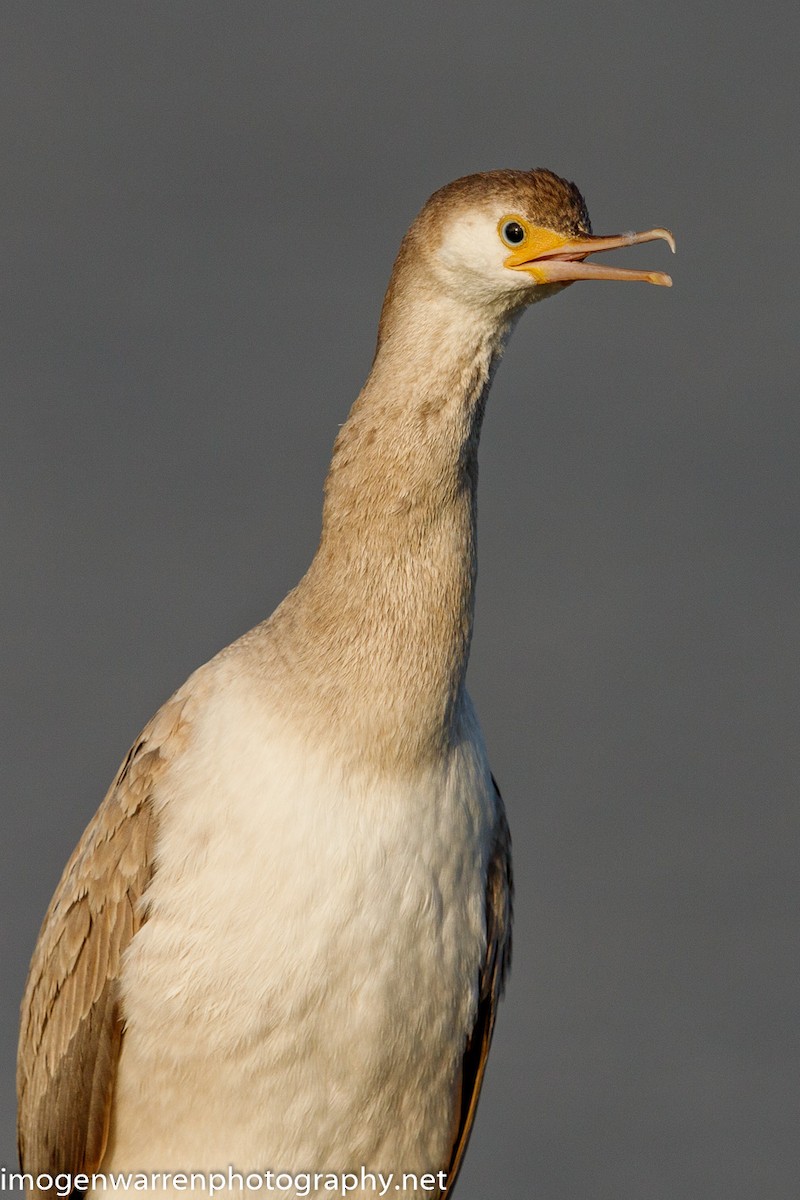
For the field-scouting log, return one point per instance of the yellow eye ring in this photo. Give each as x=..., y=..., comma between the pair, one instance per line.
x=513, y=231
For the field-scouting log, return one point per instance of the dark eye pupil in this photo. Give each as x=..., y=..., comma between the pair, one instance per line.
x=514, y=232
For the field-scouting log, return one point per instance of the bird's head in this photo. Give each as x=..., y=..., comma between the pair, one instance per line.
x=507, y=238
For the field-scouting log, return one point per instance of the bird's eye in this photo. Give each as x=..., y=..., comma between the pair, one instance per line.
x=512, y=233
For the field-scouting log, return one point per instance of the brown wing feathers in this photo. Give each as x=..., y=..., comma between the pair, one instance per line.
x=499, y=900
x=71, y=1024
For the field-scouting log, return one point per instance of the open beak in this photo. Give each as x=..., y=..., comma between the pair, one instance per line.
x=563, y=260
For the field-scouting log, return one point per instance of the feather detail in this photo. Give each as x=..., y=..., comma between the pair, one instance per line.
x=71, y=1021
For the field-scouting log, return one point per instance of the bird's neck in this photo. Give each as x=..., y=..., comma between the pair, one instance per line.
x=383, y=619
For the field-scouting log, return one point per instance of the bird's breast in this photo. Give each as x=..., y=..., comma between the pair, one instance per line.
x=313, y=946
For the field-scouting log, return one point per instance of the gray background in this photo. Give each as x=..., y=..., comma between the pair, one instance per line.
x=200, y=207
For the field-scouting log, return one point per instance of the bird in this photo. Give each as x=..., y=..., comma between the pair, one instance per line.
x=282, y=939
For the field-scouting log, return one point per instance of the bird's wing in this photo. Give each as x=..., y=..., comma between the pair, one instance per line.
x=499, y=897
x=71, y=1025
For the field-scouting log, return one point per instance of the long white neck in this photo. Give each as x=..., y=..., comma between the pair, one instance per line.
x=378, y=631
